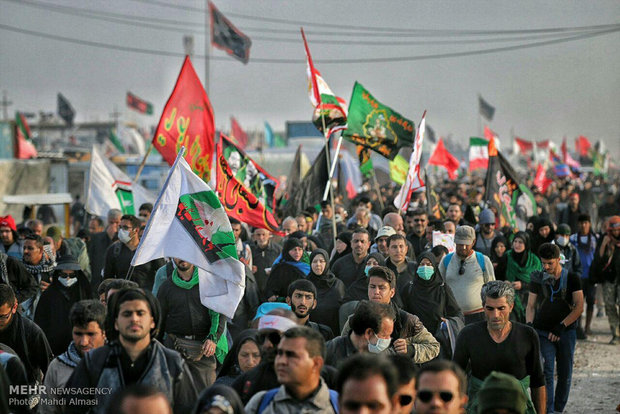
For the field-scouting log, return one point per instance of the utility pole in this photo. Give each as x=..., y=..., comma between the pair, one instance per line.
x=5, y=103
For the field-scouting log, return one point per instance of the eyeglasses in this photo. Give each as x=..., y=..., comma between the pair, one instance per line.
x=426, y=395
x=273, y=337
x=462, y=268
x=405, y=399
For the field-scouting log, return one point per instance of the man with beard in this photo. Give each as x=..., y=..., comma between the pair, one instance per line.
x=299, y=360
x=190, y=327
x=302, y=299
x=350, y=267
x=87, y=321
x=14, y=273
x=40, y=266
x=132, y=356
x=497, y=344
x=263, y=376
x=415, y=223
x=487, y=233
x=23, y=336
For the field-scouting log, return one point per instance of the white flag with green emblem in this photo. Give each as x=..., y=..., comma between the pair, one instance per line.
x=188, y=222
x=109, y=187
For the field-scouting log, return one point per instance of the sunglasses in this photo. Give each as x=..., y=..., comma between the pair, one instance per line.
x=273, y=337
x=426, y=396
x=462, y=268
x=405, y=400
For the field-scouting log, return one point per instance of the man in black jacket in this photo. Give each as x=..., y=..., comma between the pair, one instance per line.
x=23, y=336
x=184, y=320
x=302, y=299
x=264, y=253
x=13, y=273
x=132, y=356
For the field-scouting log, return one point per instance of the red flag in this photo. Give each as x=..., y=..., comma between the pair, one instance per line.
x=187, y=121
x=237, y=133
x=489, y=134
x=541, y=181
x=24, y=149
x=566, y=157
x=442, y=157
x=525, y=147
x=582, y=145
x=238, y=201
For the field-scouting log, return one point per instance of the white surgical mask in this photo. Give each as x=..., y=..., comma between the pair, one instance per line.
x=67, y=281
x=562, y=241
x=123, y=236
x=381, y=345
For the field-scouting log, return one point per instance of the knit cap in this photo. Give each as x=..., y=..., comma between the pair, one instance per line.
x=501, y=390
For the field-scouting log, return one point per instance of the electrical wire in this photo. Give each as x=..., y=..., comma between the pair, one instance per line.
x=176, y=29
x=303, y=61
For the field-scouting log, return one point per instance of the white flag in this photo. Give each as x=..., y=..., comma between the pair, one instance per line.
x=109, y=187
x=188, y=222
x=413, y=180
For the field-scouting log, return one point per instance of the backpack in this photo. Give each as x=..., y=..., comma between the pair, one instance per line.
x=269, y=395
x=479, y=258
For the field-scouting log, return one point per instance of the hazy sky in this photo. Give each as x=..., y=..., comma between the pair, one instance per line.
x=566, y=89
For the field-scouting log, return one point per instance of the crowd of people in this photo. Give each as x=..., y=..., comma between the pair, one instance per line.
x=381, y=317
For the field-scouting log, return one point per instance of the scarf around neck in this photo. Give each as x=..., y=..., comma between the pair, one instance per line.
x=71, y=356
x=185, y=284
x=45, y=266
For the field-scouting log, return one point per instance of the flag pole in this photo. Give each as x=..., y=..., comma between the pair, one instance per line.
x=143, y=163
x=329, y=176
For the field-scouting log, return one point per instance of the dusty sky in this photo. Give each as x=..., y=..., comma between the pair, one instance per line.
x=547, y=92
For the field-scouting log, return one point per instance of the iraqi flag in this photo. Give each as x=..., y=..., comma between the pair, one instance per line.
x=413, y=180
x=188, y=222
x=109, y=187
x=478, y=153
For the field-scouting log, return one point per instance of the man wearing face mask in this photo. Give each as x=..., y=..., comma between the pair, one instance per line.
x=371, y=329
x=572, y=261
x=120, y=253
x=69, y=285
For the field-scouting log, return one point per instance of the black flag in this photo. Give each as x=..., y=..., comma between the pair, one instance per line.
x=486, y=110
x=310, y=191
x=225, y=36
x=65, y=110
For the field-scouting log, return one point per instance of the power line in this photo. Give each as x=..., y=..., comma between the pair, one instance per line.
x=322, y=61
x=368, y=31
x=125, y=21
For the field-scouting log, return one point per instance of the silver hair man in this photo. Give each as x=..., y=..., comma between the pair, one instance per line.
x=498, y=289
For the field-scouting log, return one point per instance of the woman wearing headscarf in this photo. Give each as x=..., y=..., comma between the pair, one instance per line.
x=428, y=296
x=329, y=290
x=286, y=269
x=342, y=248
x=498, y=250
x=219, y=398
x=516, y=266
x=543, y=233
x=244, y=356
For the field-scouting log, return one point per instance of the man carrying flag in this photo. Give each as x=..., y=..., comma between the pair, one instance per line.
x=413, y=180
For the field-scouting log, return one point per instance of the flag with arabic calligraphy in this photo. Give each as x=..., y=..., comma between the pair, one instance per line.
x=247, y=191
x=187, y=121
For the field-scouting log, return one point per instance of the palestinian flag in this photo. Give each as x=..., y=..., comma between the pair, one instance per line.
x=375, y=125
x=478, y=153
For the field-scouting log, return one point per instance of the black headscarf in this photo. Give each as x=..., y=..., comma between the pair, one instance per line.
x=325, y=279
x=426, y=297
x=231, y=364
x=377, y=256
x=538, y=240
x=289, y=244
x=219, y=395
x=498, y=239
x=344, y=237
x=521, y=258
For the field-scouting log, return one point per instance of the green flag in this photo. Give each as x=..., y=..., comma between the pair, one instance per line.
x=376, y=126
x=117, y=143
x=398, y=169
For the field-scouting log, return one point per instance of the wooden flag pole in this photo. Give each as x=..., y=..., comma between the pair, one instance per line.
x=148, y=151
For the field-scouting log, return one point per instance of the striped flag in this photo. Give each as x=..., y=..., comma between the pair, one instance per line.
x=478, y=153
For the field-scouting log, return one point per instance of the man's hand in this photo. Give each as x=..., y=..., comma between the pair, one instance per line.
x=553, y=338
x=44, y=285
x=400, y=346
x=517, y=285
x=208, y=348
